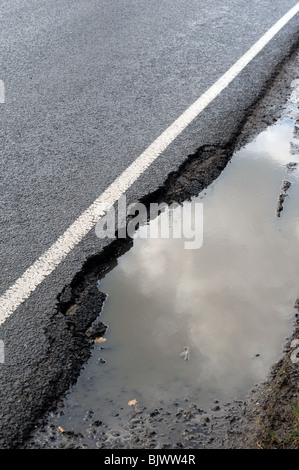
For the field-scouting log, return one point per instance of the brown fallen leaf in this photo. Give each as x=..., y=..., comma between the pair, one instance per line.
x=132, y=402
x=100, y=340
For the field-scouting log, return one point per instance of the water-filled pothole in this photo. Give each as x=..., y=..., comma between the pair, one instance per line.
x=231, y=302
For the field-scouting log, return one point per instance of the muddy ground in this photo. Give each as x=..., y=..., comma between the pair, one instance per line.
x=268, y=418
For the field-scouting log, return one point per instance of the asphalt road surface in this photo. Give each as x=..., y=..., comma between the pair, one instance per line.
x=89, y=85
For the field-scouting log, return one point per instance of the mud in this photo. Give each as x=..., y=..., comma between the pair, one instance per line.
x=268, y=418
x=282, y=196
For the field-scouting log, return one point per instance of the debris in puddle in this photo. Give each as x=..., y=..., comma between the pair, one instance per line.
x=285, y=186
x=186, y=353
x=280, y=202
x=294, y=148
x=102, y=361
x=215, y=408
x=292, y=166
x=100, y=340
x=132, y=402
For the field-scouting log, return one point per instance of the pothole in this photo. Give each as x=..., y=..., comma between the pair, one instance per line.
x=230, y=303
x=227, y=307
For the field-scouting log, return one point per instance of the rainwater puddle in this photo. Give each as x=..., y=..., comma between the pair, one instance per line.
x=231, y=302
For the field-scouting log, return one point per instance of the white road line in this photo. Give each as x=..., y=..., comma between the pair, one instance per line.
x=49, y=260
x=2, y=92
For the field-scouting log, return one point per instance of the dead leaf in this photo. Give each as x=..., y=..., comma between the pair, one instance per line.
x=100, y=340
x=132, y=402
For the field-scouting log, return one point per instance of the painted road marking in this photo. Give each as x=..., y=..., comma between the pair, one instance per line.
x=2, y=92
x=51, y=258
